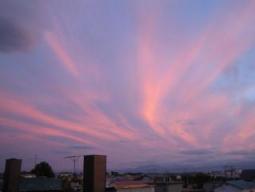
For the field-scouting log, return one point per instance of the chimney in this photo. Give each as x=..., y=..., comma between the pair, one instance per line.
x=94, y=173
x=12, y=175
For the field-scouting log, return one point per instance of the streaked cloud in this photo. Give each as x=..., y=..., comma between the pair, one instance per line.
x=154, y=82
x=61, y=53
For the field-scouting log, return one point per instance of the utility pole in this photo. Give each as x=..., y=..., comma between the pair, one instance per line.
x=35, y=160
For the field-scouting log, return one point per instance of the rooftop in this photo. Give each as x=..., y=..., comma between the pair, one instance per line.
x=241, y=184
x=130, y=184
x=40, y=184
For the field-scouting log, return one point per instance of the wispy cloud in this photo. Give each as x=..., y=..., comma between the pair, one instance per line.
x=132, y=81
x=61, y=53
x=183, y=89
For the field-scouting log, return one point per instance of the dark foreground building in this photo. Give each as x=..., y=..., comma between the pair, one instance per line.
x=11, y=175
x=12, y=181
x=94, y=177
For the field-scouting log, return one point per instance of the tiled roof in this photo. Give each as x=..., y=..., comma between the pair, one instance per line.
x=40, y=184
x=241, y=184
x=130, y=184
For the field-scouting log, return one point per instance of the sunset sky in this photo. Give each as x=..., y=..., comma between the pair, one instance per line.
x=146, y=82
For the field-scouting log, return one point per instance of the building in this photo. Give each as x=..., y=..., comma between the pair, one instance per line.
x=1, y=185
x=237, y=186
x=174, y=187
x=27, y=175
x=14, y=181
x=131, y=186
x=94, y=174
x=40, y=184
x=11, y=175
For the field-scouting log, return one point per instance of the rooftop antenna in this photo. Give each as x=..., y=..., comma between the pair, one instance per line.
x=74, y=158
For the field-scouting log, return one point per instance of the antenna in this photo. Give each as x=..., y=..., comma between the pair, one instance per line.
x=74, y=158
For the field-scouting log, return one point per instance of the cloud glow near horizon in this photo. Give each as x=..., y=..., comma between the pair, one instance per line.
x=144, y=82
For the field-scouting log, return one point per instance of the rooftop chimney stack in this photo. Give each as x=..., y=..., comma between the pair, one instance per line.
x=94, y=173
x=11, y=175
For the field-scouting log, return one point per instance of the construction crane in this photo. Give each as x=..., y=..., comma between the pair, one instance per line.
x=74, y=158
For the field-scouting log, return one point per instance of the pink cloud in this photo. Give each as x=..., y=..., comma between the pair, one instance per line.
x=215, y=49
x=61, y=53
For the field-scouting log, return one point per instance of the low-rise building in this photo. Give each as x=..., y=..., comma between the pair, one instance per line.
x=132, y=186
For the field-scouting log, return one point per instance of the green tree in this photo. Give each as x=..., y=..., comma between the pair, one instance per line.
x=43, y=169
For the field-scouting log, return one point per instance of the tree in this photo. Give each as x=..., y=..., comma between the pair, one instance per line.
x=43, y=169
x=200, y=179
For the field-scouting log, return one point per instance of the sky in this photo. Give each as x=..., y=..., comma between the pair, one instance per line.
x=167, y=83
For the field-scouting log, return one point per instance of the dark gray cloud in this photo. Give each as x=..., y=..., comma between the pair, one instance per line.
x=61, y=152
x=81, y=147
x=21, y=24
x=187, y=122
x=197, y=152
x=14, y=37
x=241, y=152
